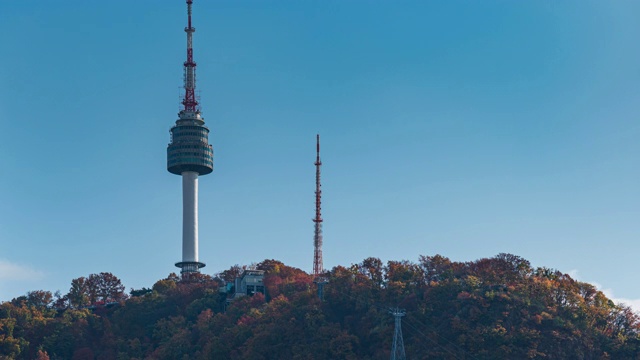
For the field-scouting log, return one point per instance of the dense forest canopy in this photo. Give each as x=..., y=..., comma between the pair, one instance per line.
x=494, y=308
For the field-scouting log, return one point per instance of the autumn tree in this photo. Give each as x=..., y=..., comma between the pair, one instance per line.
x=105, y=287
x=39, y=298
x=490, y=308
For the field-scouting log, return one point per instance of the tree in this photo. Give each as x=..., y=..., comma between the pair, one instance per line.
x=436, y=268
x=373, y=268
x=78, y=293
x=491, y=308
x=59, y=301
x=231, y=274
x=42, y=355
x=164, y=286
x=106, y=287
x=39, y=298
x=84, y=353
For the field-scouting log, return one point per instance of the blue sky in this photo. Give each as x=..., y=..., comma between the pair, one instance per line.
x=463, y=128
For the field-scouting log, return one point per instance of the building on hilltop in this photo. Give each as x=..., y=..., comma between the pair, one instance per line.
x=248, y=283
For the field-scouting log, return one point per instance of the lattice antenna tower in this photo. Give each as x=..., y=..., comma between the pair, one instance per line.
x=397, y=349
x=317, y=234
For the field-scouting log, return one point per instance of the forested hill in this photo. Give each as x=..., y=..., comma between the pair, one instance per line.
x=497, y=308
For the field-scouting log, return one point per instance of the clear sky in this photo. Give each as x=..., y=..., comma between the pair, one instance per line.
x=461, y=128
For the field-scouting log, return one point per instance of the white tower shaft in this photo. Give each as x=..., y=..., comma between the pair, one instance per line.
x=190, y=216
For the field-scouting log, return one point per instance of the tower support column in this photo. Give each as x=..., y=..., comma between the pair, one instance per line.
x=189, y=263
x=189, y=216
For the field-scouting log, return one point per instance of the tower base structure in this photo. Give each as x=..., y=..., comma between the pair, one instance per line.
x=190, y=267
x=320, y=282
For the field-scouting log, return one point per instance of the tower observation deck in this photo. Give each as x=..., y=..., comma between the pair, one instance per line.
x=189, y=155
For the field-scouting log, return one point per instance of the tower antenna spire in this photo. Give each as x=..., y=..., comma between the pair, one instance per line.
x=190, y=103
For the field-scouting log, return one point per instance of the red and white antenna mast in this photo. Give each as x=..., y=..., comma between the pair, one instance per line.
x=317, y=237
x=190, y=103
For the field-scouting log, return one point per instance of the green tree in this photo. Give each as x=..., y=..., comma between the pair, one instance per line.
x=78, y=293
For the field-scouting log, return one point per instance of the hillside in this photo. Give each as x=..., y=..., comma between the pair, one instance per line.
x=496, y=308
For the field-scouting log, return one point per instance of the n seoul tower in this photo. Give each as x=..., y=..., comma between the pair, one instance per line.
x=189, y=155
